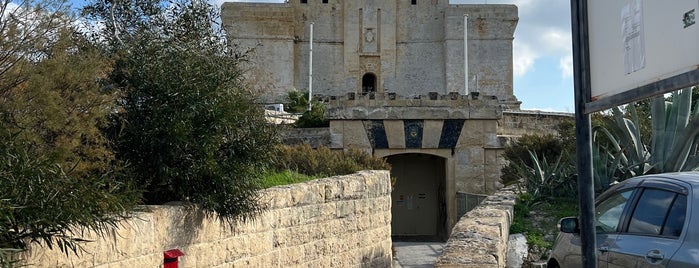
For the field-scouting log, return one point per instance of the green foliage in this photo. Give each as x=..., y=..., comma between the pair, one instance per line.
x=518, y=155
x=298, y=103
x=313, y=118
x=675, y=133
x=60, y=109
x=42, y=204
x=546, y=181
x=190, y=129
x=59, y=175
x=538, y=222
x=284, y=177
x=323, y=162
x=621, y=151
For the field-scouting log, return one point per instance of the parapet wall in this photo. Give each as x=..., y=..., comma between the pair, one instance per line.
x=479, y=238
x=520, y=122
x=342, y=221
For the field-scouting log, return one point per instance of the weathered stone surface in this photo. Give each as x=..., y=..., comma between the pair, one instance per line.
x=517, y=123
x=517, y=250
x=342, y=221
x=479, y=238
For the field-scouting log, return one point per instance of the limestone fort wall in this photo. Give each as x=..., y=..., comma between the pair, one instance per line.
x=342, y=221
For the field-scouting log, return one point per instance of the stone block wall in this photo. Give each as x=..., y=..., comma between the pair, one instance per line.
x=342, y=221
x=315, y=137
x=479, y=238
x=520, y=122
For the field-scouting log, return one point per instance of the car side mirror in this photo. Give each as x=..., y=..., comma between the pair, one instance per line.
x=569, y=225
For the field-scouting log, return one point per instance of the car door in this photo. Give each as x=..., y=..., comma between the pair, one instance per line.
x=608, y=216
x=651, y=234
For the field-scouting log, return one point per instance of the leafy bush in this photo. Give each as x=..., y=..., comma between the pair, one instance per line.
x=323, y=162
x=58, y=174
x=544, y=146
x=298, y=103
x=189, y=126
x=42, y=203
x=544, y=182
x=545, y=164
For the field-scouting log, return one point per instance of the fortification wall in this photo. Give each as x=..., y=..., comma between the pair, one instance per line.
x=342, y=221
x=518, y=123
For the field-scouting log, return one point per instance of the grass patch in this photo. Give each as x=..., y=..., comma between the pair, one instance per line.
x=538, y=222
x=286, y=177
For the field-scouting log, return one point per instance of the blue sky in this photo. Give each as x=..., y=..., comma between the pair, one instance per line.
x=543, y=76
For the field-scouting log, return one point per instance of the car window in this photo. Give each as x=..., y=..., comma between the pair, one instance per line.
x=608, y=212
x=675, y=219
x=656, y=208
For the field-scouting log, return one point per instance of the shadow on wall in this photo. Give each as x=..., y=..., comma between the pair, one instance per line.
x=185, y=225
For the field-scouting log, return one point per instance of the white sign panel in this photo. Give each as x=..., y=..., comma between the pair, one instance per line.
x=633, y=43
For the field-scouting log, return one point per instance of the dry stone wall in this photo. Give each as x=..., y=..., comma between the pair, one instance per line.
x=342, y=221
x=479, y=239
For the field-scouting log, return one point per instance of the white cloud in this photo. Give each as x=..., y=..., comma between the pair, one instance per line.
x=543, y=31
x=566, y=66
x=524, y=58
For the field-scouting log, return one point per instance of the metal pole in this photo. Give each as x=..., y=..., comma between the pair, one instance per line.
x=310, y=69
x=586, y=188
x=465, y=54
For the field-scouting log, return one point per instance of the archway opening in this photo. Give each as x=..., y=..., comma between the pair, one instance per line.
x=418, y=199
x=368, y=83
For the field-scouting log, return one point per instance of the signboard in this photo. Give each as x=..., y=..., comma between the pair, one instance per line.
x=625, y=50
x=640, y=48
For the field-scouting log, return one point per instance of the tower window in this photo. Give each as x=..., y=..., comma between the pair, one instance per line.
x=325, y=1
x=368, y=83
x=413, y=2
x=304, y=1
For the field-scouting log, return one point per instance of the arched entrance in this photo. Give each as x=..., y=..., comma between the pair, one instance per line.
x=368, y=83
x=418, y=197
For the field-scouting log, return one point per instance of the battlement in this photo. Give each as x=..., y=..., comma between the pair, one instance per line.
x=431, y=106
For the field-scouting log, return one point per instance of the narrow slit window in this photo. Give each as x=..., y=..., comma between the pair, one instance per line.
x=413, y=2
x=325, y=1
x=304, y=1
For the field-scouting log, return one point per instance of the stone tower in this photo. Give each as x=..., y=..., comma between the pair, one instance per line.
x=406, y=47
x=393, y=78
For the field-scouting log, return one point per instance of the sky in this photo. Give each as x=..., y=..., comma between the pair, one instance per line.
x=543, y=62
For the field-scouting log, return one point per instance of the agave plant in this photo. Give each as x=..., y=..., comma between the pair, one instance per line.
x=675, y=133
x=546, y=180
x=620, y=153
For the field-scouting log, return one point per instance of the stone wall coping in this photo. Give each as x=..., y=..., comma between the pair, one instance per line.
x=479, y=238
x=538, y=112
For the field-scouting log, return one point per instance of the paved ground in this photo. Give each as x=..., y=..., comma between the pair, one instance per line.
x=416, y=254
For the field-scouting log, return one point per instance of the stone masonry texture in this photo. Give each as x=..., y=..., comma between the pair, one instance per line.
x=479, y=239
x=342, y=221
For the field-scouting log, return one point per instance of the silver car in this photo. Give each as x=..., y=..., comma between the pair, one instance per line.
x=646, y=221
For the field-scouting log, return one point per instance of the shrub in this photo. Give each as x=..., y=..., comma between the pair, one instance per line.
x=42, y=203
x=544, y=146
x=298, y=103
x=189, y=125
x=323, y=162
